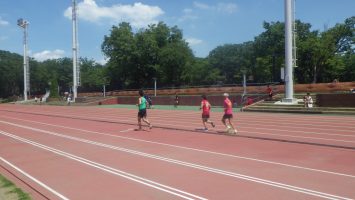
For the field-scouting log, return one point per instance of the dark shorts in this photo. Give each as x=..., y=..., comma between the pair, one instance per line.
x=227, y=116
x=142, y=113
x=205, y=117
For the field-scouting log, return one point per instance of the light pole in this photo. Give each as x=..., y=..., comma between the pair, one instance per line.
x=76, y=67
x=26, y=68
x=244, y=83
x=155, y=86
x=288, y=54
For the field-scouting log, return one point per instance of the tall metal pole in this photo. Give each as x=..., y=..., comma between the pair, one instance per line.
x=244, y=85
x=27, y=61
x=75, y=52
x=155, y=87
x=294, y=34
x=288, y=53
x=26, y=72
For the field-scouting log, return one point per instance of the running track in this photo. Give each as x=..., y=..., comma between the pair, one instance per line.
x=94, y=153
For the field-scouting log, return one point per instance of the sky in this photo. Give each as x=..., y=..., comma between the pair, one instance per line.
x=206, y=24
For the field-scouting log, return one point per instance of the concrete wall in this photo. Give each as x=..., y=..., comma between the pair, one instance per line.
x=187, y=100
x=336, y=100
x=299, y=88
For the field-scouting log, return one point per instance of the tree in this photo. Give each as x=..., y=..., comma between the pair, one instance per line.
x=135, y=58
x=93, y=76
x=119, y=47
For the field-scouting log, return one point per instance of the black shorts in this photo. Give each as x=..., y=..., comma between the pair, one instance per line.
x=142, y=113
x=227, y=116
x=205, y=116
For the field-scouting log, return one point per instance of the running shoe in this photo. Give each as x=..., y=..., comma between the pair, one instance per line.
x=227, y=129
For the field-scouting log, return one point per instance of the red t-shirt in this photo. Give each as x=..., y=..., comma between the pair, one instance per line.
x=206, y=107
x=227, y=107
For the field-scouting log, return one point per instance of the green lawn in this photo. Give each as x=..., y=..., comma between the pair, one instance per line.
x=9, y=191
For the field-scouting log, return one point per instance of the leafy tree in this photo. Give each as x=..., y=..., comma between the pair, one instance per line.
x=136, y=58
x=93, y=76
x=119, y=47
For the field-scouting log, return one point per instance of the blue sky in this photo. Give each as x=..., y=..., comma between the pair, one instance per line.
x=206, y=24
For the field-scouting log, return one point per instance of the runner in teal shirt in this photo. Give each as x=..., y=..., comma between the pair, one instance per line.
x=143, y=103
x=142, y=111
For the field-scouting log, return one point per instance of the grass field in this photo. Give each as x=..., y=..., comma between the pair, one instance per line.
x=9, y=191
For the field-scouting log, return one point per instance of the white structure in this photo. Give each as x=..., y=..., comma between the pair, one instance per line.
x=288, y=54
x=26, y=67
x=155, y=87
x=76, y=66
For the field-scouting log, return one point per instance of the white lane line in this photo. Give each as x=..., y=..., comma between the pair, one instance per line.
x=147, y=182
x=34, y=179
x=177, y=125
x=193, y=149
x=192, y=127
x=192, y=165
x=127, y=130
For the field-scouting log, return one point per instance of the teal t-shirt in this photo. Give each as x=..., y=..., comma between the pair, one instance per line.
x=143, y=105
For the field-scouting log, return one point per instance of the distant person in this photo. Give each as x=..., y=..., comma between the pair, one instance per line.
x=249, y=101
x=305, y=101
x=228, y=115
x=176, y=102
x=149, y=101
x=206, y=107
x=142, y=111
x=69, y=99
x=269, y=92
x=308, y=101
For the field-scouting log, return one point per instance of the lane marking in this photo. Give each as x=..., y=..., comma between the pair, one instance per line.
x=193, y=149
x=111, y=170
x=132, y=122
x=127, y=130
x=196, y=166
x=339, y=128
x=34, y=179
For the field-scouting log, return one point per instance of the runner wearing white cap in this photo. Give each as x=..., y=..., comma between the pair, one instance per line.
x=228, y=114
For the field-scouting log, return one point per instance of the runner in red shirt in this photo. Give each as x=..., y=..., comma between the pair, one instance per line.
x=269, y=92
x=228, y=114
x=206, y=107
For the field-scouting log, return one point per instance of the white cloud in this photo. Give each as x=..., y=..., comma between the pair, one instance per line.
x=47, y=54
x=187, y=15
x=220, y=7
x=202, y=6
x=227, y=7
x=3, y=22
x=138, y=14
x=194, y=41
x=102, y=61
x=2, y=38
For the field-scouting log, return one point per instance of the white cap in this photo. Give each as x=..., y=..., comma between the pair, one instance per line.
x=226, y=94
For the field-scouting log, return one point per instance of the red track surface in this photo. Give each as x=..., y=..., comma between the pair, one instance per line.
x=93, y=153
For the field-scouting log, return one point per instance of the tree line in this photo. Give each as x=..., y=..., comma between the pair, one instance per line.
x=136, y=58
